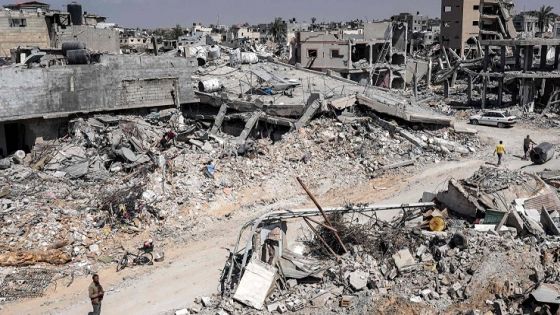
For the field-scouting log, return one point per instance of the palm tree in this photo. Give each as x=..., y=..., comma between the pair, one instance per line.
x=313, y=20
x=544, y=16
x=278, y=30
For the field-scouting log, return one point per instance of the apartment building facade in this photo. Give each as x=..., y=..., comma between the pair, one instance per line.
x=459, y=23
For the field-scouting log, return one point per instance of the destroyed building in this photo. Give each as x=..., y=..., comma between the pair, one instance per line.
x=36, y=101
x=34, y=24
x=512, y=68
x=496, y=20
x=377, y=57
x=526, y=24
x=459, y=24
x=502, y=259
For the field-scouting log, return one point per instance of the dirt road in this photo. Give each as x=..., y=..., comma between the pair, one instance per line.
x=193, y=269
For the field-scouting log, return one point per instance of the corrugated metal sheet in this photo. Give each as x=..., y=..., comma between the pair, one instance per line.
x=550, y=201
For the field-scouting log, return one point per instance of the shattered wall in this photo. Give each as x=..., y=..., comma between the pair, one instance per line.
x=96, y=39
x=61, y=90
x=35, y=33
x=320, y=50
x=419, y=67
x=377, y=31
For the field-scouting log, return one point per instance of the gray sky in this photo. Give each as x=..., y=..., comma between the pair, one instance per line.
x=155, y=13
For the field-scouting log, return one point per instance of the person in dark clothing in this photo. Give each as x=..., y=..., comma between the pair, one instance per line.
x=167, y=139
x=527, y=146
x=96, y=294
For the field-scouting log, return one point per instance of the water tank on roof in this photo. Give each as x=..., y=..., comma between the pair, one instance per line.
x=214, y=52
x=75, y=11
x=78, y=57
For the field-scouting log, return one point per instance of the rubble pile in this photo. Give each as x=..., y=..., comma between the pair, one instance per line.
x=115, y=174
x=489, y=180
x=437, y=272
x=504, y=258
x=457, y=271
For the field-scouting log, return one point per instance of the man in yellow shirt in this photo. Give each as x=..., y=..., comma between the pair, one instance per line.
x=500, y=151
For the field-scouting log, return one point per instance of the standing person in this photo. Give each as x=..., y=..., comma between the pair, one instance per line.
x=96, y=293
x=526, y=146
x=500, y=151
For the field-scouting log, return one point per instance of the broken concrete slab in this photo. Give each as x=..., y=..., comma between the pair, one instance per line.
x=458, y=200
x=358, y=280
x=548, y=224
x=548, y=293
x=321, y=299
x=77, y=170
x=404, y=260
x=255, y=284
x=183, y=311
x=206, y=301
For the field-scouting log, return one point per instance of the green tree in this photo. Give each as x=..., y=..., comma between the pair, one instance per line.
x=176, y=32
x=544, y=16
x=279, y=30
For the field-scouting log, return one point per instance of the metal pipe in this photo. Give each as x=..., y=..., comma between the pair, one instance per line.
x=304, y=213
x=320, y=237
x=322, y=213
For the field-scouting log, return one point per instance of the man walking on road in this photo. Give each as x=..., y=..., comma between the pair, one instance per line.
x=526, y=146
x=500, y=151
x=96, y=293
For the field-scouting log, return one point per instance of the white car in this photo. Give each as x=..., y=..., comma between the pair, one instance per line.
x=500, y=119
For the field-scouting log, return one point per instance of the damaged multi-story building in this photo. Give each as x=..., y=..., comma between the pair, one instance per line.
x=465, y=22
x=37, y=102
x=460, y=24
x=34, y=24
x=377, y=56
x=505, y=61
x=60, y=71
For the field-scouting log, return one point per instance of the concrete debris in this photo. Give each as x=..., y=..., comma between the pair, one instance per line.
x=403, y=260
x=255, y=284
x=358, y=280
x=183, y=311
x=449, y=269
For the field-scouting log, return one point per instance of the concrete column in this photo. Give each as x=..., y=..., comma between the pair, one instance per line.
x=544, y=51
x=501, y=80
x=469, y=89
x=557, y=58
x=349, y=55
x=531, y=56
x=503, y=58
x=370, y=54
x=483, y=96
x=429, y=77
x=517, y=53
x=500, y=91
x=486, y=58
x=527, y=55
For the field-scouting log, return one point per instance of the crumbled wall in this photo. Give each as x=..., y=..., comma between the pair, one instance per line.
x=30, y=93
x=98, y=40
x=34, y=34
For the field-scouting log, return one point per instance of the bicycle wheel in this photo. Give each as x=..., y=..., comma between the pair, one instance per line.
x=145, y=259
x=122, y=263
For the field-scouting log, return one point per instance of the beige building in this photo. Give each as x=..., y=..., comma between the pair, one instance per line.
x=236, y=33
x=33, y=24
x=460, y=22
x=29, y=29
